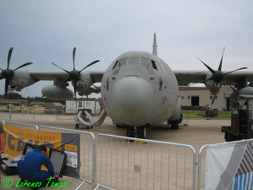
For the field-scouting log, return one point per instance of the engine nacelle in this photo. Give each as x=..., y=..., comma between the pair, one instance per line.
x=84, y=83
x=212, y=86
x=21, y=79
x=55, y=92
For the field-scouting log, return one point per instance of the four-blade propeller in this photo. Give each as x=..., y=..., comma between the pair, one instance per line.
x=74, y=75
x=218, y=76
x=8, y=73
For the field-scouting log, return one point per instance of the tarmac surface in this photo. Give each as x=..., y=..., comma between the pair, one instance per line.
x=197, y=133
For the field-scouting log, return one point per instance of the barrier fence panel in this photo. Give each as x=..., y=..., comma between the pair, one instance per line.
x=131, y=163
x=87, y=158
x=201, y=167
x=21, y=125
x=226, y=165
x=116, y=162
x=87, y=151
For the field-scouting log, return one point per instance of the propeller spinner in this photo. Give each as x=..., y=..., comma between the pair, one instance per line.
x=8, y=73
x=74, y=75
x=218, y=76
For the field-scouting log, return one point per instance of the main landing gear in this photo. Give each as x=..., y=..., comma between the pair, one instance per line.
x=174, y=123
x=141, y=132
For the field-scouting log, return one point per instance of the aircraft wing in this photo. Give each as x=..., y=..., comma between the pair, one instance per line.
x=60, y=80
x=186, y=77
x=48, y=75
x=96, y=76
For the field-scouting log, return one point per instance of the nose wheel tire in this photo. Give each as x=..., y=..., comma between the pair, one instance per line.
x=141, y=131
x=130, y=131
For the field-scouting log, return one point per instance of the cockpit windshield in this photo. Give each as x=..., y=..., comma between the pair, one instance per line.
x=133, y=60
x=143, y=61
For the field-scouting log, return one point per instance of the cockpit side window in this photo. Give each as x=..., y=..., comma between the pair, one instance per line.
x=154, y=65
x=115, y=65
x=119, y=63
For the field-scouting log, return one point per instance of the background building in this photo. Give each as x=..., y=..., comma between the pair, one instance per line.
x=200, y=98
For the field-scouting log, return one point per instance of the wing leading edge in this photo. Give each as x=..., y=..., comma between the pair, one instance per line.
x=196, y=76
x=96, y=76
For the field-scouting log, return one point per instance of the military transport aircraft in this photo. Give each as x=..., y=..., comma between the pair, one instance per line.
x=138, y=89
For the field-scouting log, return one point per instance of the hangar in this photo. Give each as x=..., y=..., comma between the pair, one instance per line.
x=200, y=98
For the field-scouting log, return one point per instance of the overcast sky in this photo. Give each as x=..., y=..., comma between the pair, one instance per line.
x=47, y=30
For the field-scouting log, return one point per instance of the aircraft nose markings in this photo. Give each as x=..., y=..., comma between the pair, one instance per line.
x=165, y=102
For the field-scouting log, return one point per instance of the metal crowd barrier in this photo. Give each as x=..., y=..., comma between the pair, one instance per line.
x=21, y=125
x=132, y=163
x=201, y=165
x=87, y=153
x=116, y=162
x=87, y=149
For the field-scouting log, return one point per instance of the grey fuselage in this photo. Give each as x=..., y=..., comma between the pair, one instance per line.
x=139, y=89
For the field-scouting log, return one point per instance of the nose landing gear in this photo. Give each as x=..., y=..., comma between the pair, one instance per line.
x=140, y=132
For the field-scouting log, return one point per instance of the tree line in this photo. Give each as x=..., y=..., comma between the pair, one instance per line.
x=13, y=95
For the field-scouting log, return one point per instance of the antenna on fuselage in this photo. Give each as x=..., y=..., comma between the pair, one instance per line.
x=154, y=45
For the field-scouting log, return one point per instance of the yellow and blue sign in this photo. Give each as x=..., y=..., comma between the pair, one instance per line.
x=16, y=138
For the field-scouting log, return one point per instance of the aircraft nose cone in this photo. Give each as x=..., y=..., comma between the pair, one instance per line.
x=132, y=98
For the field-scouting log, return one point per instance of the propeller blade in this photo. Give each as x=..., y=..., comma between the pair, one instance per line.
x=235, y=70
x=60, y=68
x=1, y=77
x=209, y=68
x=74, y=56
x=231, y=87
x=29, y=63
x=75, y=84
x=9, y=57
x=220, y=66
x=213, y=99
x=92, y=63
x=61, y=85
x=6, y=87
x=216, y=84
